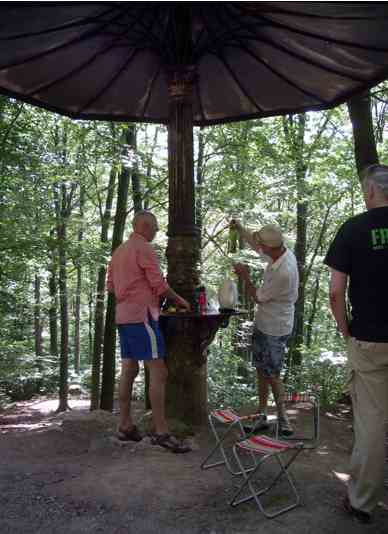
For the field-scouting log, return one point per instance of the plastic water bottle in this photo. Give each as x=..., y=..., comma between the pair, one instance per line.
x=202, y=300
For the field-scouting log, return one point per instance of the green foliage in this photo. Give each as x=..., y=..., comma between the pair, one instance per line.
x=23, y=375
x=232, y=381
x=248, y=171
x=322, y=371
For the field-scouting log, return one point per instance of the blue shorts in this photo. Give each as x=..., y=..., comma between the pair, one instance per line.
x=268, y=352
x=141, y=341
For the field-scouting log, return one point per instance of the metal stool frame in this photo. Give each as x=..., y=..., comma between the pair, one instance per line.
x=229, y=418
x=269, y=449
x=294, y=397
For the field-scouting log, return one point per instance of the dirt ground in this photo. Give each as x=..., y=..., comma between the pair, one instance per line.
x=68, y=474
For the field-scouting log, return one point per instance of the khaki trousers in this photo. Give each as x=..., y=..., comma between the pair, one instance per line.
x=368, y=381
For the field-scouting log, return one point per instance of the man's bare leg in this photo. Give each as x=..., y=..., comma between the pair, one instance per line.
x=129, y=371
x=157, y=391
x=263, y=384
x=279, y=396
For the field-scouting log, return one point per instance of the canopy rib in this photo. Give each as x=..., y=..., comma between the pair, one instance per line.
x=222, y=59
x=319, y=37
x=82, y=22
x=76, y=70
x=284, y=11
x=109, y=84
x=62, y=46
x=149, y=93
x=283, y=77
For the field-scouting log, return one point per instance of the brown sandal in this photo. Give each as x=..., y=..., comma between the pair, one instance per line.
x=129, y=435
x=168, y=441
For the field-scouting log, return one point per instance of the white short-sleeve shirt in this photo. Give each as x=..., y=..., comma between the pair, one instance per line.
x=277, y=296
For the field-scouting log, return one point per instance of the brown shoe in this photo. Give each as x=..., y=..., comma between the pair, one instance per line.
x=362, y=517
x=168, y=441
x=129, y=435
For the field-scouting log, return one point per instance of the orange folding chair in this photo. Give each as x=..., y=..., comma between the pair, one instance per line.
x=283, y=455
x=222, y=423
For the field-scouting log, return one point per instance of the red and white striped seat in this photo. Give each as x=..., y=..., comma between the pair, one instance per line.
x=222, y=423
x=226, y=416
x=264, y=445
x=229, y=416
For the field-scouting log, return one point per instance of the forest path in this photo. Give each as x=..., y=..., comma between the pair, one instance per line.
x=66, y=473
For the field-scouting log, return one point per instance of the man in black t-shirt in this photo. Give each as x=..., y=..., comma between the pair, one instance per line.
x=358, y=258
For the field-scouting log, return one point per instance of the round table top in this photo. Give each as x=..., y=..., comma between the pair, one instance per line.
x=208, y=314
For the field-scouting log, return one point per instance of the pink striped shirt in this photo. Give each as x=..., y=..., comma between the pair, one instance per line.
x=134, y=276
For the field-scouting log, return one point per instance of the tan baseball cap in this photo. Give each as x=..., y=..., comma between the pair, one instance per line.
x=269, y=235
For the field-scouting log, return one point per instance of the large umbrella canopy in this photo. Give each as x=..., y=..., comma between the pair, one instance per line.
x=111, y=60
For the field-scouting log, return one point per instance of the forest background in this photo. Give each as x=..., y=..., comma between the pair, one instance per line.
x=69, y=189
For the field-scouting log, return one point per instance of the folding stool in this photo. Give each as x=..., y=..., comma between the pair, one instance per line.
x=292, y=399
x=267, y=448
x=221, y=419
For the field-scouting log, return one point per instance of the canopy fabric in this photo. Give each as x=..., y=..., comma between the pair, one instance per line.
x=109, y=60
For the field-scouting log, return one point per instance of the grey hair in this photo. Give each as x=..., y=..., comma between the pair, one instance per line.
x=378, y=174
x=140, y=215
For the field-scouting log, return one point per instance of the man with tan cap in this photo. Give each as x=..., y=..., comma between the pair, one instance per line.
x=358, y=258
x=274, y=317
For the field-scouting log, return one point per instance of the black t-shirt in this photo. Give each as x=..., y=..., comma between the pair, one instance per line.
x=360, y=250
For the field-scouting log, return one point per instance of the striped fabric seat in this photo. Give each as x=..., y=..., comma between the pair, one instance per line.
x=225, y=416
x=298, y=397
x=264, y=445
x=225, y=423
x=229, y=416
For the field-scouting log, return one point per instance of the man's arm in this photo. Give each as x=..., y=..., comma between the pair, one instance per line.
x=243, y=272
x=338, y=285
x=150, y=263
x=243, y=232
x=170, y=294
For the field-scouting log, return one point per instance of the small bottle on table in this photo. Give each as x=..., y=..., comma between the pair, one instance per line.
x=202, y=300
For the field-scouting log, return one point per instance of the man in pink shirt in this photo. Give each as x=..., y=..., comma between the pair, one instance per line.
x=135, y=278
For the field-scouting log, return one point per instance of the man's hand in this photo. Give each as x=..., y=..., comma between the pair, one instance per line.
x=182, y=303
x=243, y=272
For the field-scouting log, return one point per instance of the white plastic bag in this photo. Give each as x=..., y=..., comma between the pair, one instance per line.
x=228, y=295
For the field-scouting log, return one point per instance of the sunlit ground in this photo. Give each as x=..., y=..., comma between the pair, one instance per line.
x=49, y=406
x=28, y=416
x=345, y=477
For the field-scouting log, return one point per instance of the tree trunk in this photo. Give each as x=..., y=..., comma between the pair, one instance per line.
x=311, y=320
x=90, y=326
x=137, y=197
x=149, y=167
x=37, y=317
x=100, y=296
x=187, y=382
x=296, y=133
x=63, y=304
x=199, y=182
x=77, y=304
x=53, y=310
x=360, y=113
x=109, y=356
